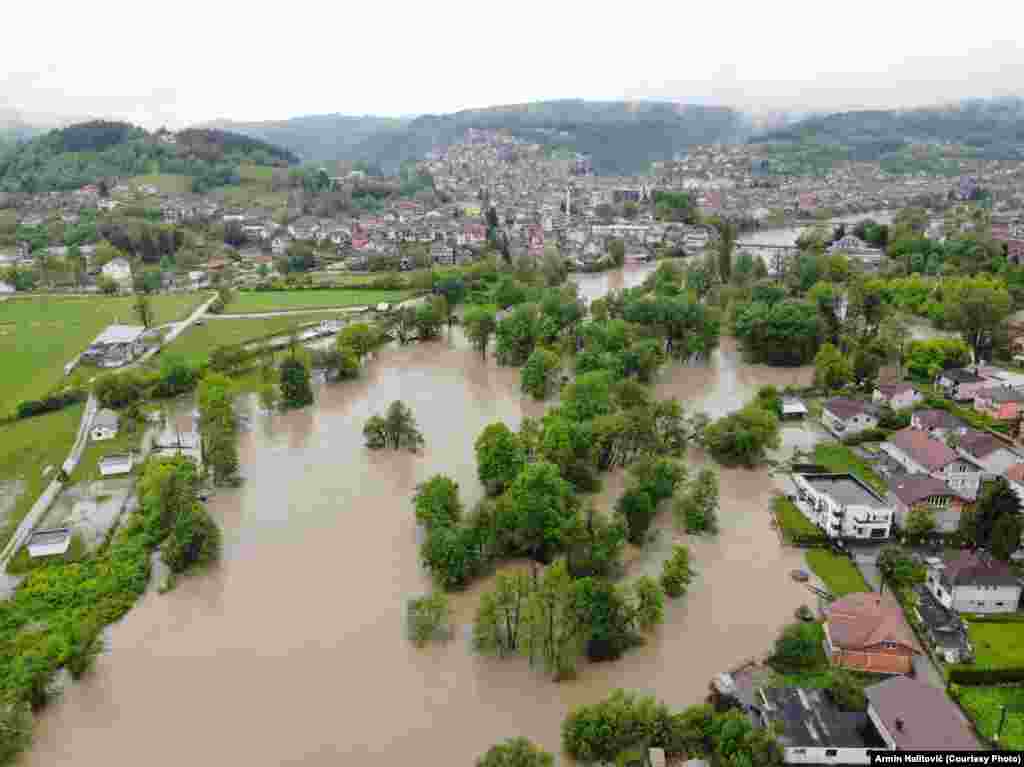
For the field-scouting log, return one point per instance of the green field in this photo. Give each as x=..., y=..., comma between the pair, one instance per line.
x=839, y=458
x=997, y=645
x=124, y=442
x=791, y=521
x=196, y=343
x=985, y=706
x=168, y=183
x=288, y=300
x=29, y=446
x=840, y=575
x=40, y=334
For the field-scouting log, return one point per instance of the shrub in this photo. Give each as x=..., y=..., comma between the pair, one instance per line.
x=194, y=541
x=58, y=401
x=428, y=618
x=975, y=677
x=797, y=646
x=676, y=573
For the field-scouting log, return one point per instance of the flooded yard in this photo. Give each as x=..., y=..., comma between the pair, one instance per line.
x=293, y=650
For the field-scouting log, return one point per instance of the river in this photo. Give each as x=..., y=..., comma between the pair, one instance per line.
x=292, y=650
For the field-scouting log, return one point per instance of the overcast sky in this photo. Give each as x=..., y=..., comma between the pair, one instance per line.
x=190, y=61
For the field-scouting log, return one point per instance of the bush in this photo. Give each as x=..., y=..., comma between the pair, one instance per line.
x=600, y=732
x=676, y=573
x=194, y=540
x=868, y=435
x=975, y=677
x=59, y=401
x=428, y=618
x=798, y=647
x=538, y=374
x=638, y=509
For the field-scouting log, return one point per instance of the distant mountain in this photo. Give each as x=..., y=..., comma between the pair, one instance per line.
x=67, y=158
x=991, y=129
x=318, y=138
x=623, y=138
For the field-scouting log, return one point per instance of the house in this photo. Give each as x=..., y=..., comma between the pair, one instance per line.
x=117, y=345
x=867, y=632
x=923, y=491
x=843, y=506
x=48, y=543
x=810, y=728
x=116, y=464
x=844, y=417
x=962, y=384
x=1000, y=402
x=915, y=716
x=988, y=451
x=897, y=396
x=918, y=453
x=793, y=408
x=119, y=270
x=937, y=423
x=6, y=288
x=104, y=425
x=973, y=582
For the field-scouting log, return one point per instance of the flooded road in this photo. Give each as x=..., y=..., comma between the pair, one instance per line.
x=293, y=652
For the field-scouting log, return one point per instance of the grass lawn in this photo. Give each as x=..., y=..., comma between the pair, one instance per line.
x=791, y=521
x=997, y=645
x=88, y=466
x=839, y=458
x=286, y=300
x=984, y=706
x=41, y=334
x=29, y=446
x=840, y=575
x=169, y=183
x=196, y=343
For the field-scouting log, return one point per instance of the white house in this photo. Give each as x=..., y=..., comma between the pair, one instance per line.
x=119, y=270
x=47, y=543
x=117, y=464
x=843, y=507
x=810, y=727
x=896, y=396
x=919, y=453
x=104, y=425
x=843, y=416
x=988, y=451
x=6, y=287
x=970, y=582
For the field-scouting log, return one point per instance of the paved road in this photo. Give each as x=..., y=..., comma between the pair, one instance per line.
x=285, y=313
x=177, y=328
x=42, y=504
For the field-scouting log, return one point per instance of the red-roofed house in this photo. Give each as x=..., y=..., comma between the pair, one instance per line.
x=844, y=416
x=897, y=396
x=918, y=453
x=916, y=491
x=1000, y=402
x=867, y=632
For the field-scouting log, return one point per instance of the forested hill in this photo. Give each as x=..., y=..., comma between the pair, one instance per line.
x=991, y=129
x=70, y=157
x=622, y=137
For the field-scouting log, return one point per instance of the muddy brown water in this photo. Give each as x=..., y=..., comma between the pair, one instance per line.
x=292, y=651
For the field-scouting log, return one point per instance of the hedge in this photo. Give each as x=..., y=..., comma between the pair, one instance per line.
x=976, y=677
x=994, y=618
x=32, y=407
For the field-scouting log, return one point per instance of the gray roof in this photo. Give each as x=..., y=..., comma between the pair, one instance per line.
x=106, y=418
x=807, y=718
x=48, y=537
x=120, y=334
x=920, y=717
x=845, y=408
x=846, y=489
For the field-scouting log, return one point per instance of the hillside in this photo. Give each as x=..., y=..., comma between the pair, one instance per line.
x=991, y=129
x=623, y=137
x=67, y=158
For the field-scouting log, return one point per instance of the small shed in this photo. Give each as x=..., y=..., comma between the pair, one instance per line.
x=104, y=425
x=48, y=543
x=116, y=464
x=793, y=408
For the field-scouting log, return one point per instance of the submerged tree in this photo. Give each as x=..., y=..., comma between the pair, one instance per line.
x=515, y=752
x=295, y=388
x=396, y=429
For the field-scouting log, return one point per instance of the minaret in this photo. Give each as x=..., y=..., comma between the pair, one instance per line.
x=568, y=200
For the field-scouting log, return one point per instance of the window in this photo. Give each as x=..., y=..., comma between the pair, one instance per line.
x=831, y=752
x=1000, y=604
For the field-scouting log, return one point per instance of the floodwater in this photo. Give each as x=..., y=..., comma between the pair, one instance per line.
x=292, y=651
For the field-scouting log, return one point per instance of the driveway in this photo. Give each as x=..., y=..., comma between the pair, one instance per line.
x=865, y=556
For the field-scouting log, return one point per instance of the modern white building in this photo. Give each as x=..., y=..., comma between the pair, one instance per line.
x=117, y=464
x=843, y=507
x=117, y=345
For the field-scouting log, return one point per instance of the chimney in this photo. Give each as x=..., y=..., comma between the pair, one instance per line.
x=899, y=724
